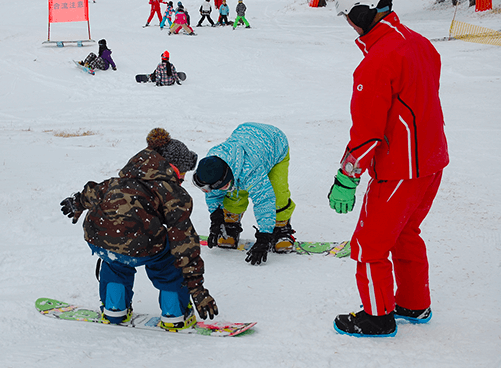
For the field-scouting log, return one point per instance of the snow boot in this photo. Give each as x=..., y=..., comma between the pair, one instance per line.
x=413, y=316
x=231, y=230
x=362, y=324
x=174, y=324
x=284, y=241
x=115, y=316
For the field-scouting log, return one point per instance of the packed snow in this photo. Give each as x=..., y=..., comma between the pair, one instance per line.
x=61, y=127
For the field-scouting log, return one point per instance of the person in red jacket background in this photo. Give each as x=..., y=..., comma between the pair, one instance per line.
x=397, y=134
x=155, y=9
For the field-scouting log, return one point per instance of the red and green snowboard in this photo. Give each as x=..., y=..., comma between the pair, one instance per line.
x=66, y=311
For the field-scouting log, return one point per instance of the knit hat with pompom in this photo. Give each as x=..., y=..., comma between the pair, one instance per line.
x=172, y=150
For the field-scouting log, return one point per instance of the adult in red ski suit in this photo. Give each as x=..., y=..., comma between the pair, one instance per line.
x=155, y=9
x=397, y=134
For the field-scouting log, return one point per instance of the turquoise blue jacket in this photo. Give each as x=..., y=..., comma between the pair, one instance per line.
x=224, y=9
x=251, y=151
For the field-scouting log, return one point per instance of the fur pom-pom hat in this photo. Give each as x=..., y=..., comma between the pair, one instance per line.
x=172, y=150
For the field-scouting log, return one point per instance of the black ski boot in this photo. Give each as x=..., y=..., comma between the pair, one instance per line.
x=362, y=324
x=413, y=315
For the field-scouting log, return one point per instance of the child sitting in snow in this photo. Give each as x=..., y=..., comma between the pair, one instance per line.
x=165, y=74
x=101, y=61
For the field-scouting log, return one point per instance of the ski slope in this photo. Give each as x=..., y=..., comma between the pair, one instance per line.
x=61, y=127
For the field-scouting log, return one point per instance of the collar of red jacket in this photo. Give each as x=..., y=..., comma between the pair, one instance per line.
x=386, y=25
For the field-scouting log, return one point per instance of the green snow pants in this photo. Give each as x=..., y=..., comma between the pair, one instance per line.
x=238, y=19
x=238, y=200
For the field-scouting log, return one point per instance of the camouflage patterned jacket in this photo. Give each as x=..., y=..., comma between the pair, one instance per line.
x=134, y=213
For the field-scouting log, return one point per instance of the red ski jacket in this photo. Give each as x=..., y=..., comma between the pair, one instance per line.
x=155, y=4
x=398, y=125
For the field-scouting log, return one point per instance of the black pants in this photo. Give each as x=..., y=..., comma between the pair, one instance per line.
x=223, y=19
x=202, y=19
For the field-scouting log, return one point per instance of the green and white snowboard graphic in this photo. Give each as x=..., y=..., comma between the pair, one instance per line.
x=336, y=249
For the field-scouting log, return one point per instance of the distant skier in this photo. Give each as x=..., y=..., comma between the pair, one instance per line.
x=142, y=218
x=241, y=9
x=205, y=10
x=165, y=74
x=252, y=163
x=397, y=134
x=102, y=60
x=181, y=22
x=224, y=11
x=167, y=15
x=180, y=6
x=155, y=9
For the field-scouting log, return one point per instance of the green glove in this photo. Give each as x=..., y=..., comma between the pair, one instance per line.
x=342, y=193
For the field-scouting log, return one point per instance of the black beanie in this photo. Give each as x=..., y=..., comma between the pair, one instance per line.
x=172, y=150
x=214, y=171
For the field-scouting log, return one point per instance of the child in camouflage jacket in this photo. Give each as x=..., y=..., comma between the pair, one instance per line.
x=142, y=217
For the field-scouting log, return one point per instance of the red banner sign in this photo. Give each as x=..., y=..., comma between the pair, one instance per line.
x=483, y=5
x=68, y=11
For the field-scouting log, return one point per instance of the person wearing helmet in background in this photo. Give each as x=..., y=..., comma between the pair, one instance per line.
x=165, y=74
x=224, y=11
x=205, y=10
x=181, y=21
x=102, y=60
x=167, y=15
x=240, y=10
x=397, y=134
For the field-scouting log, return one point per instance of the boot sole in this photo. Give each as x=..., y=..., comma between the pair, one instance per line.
x=415, y=320
x=341, y=332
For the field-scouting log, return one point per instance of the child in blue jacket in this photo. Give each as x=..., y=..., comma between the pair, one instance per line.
x=224, y=11
x=252, y=163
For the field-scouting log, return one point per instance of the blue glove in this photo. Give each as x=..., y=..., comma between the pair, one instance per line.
x=342, y=193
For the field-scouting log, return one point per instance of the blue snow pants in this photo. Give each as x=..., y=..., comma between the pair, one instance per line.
x=117, y=280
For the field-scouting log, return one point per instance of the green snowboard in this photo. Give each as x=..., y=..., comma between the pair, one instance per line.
x=336, y=249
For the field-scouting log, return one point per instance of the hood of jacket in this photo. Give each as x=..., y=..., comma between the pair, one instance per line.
x=148, y=165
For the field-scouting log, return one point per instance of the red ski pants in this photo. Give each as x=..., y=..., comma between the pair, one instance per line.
x=155, y=10
x=389, y=222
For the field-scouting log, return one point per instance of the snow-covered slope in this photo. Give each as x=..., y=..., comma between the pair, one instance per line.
x=293, y=68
